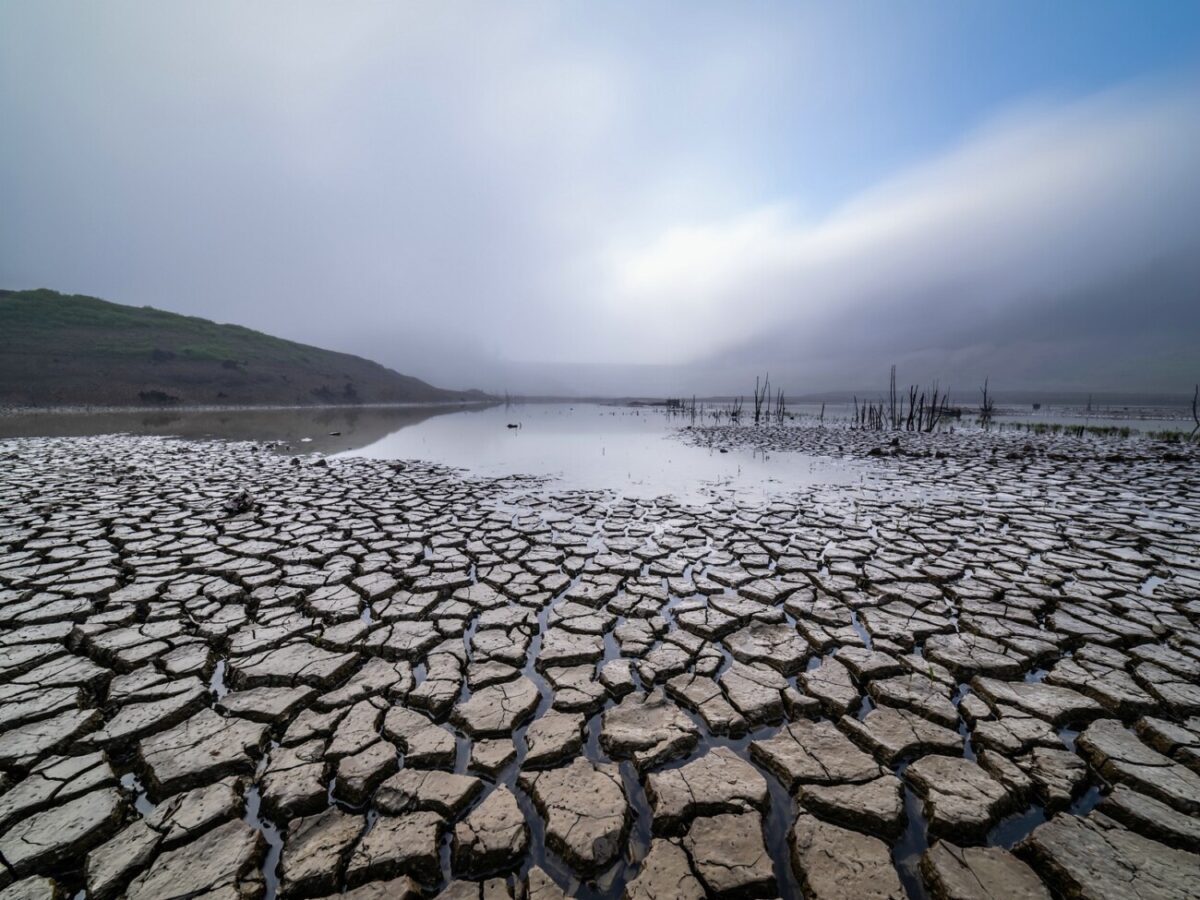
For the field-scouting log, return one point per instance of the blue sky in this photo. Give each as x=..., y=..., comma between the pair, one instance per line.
x=626, y=197
x=843, y=94
x=940, y=69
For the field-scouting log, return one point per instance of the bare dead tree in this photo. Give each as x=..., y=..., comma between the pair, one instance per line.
x=761, y=395
x=868, y=416
x=988, y=406
x=892, y=399
x=937, y=407
x=823, y=410
x=1196, y=410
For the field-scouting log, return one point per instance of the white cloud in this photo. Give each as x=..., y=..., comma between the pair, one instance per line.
x=1033, y=206
x=457, y=186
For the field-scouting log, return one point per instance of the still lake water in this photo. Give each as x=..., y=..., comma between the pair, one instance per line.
x=629, y=450
x=626, y=449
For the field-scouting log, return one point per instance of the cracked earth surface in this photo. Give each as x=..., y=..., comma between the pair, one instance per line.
x=226, y=673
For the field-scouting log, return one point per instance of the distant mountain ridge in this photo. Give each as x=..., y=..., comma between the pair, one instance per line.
x=72, y=350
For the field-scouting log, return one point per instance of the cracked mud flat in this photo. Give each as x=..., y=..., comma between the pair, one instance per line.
x=229, y=674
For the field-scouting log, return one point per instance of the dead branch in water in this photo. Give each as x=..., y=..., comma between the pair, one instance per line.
x=892, y=400
x=937, y=409
x=1196, y=410
x=762, y=394
x=867, y=417
x=988, y=406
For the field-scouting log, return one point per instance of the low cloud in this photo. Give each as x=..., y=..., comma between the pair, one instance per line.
x=1076, y=226
x=544, y=199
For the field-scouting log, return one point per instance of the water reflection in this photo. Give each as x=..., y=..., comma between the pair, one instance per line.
x=299, y=430
x=629, y=450
x=590, y=446
x=626, y=449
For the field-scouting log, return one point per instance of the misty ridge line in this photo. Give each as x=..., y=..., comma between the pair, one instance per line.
x=66, y=351
x=60, y=350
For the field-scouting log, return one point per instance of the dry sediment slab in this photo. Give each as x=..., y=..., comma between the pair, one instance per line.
x=223, y=670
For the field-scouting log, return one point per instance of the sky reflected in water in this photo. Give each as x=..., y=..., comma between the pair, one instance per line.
x=625, y=449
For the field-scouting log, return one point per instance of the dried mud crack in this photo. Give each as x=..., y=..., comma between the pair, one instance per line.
x=975, y=674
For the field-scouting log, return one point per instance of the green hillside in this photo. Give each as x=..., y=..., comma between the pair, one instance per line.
x=67, y=350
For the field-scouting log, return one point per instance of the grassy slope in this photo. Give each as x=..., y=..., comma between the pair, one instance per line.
x=58, y=349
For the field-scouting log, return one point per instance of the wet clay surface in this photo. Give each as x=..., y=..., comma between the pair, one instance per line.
x=229, y=673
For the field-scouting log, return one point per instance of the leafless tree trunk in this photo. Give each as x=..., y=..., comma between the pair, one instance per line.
x=937, y=407
x=762, y=399
x=1196, y=409
x=988, y=406
x=892, y=398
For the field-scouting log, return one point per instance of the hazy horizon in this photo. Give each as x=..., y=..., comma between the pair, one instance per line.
x=628, y=200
